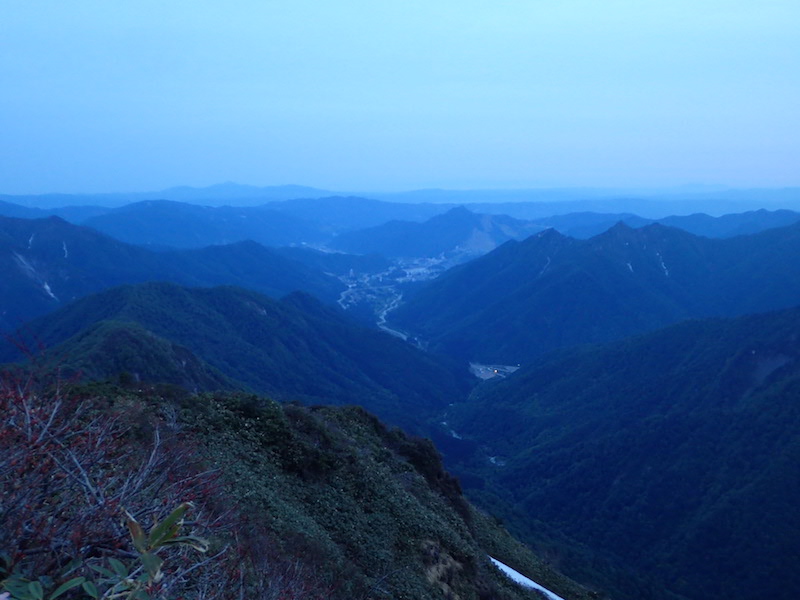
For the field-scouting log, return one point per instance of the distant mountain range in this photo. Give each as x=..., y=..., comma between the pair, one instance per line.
x=338, y=214
x=164, y=223
x=294, y=222
x=292, y=349
x=551, y=291
x=46, y=263
x=465, y=234
x=519, y=203
x=190, y=223
x=73, y=214
x=675, y=452
x=462, y=232
x=651, y=203
x=586, y=225
x=223, y=194
x=457, y=233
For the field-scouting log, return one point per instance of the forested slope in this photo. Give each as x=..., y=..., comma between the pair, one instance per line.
x=47, y=263
x=551, y=291
x=294, y=349
x=674, y=453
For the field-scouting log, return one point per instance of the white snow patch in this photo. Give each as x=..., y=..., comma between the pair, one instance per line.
x=630, y=267
x=26, y=266
x=30, y=240
x=663, y=266
x=524, y=581
x=50, y=293
x=544, y=268
x=64, y=245
x=451, y=431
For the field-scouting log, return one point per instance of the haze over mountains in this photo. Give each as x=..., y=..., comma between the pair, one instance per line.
x=715, y=200
x=551, y=291
x=176, y=224
x=458, y=232
x=586, y=225
x=659, y=466
x=186, y=220
x=46, y=263
x=222, y=194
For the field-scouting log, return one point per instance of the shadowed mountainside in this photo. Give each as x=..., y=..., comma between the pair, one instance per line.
x=458, y=232
x=46, y=263
x=673, y=455
x=550, y=291
x=295, y=348
x=165, y=223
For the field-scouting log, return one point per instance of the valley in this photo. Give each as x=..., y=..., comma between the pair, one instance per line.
x=400, y=301
x=380, y=293
x=554, y=374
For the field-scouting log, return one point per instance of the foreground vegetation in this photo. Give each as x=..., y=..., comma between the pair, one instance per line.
x=286, y=502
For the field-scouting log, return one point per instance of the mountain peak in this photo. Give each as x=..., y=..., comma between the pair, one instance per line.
x=620, y=226
x=621, y=231
x=459, y=210
x=549, y=235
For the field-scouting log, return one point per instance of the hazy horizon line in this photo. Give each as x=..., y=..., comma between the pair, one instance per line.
x=684, y=188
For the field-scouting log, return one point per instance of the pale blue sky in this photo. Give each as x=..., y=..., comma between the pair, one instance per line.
x=108, y=95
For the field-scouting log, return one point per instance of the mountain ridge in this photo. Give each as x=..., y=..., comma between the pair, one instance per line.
x=295, y=348
x=45, y=263
x=457, y=233
x=550, y=291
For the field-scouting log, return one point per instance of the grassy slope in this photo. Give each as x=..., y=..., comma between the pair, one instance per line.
x=111, y=349
x=369, y=506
